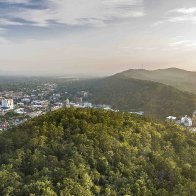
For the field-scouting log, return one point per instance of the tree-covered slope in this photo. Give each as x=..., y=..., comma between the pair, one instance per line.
x=181, y=79
x=95, y=152
x=127, y=94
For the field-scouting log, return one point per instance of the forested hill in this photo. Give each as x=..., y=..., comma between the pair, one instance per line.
x=181, y=79
x=127, y=94
x=96, y=152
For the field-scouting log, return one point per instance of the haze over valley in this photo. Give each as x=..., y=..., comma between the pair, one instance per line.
x=97, y=97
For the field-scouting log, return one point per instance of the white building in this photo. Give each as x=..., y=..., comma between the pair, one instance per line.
x=171, y=118
x=141, y=113
x=26, y=100
x=20, y=111
x=186, y=121
x=7, y=104
x=76, y=105
x=40, y=104
x=88, y=105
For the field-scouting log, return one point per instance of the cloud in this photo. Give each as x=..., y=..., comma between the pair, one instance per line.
x=7, y=22
x=185, y=44
x=15, y=1
x=80, y=12
x=179, y=15
x=35, y=17
x=188, y=11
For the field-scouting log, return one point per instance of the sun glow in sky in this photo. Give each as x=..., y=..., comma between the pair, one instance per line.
x=96, y=36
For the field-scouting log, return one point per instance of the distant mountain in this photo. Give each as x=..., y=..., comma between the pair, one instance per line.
x=86, y=152
x=128, y=94
x=181, y=79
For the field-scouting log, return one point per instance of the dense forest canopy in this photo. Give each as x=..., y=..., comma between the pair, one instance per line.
x=97, y=152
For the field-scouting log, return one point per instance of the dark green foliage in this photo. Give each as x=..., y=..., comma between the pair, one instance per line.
x=96, y=152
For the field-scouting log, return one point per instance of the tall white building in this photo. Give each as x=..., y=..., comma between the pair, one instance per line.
x=7, y=104
x=186, y=121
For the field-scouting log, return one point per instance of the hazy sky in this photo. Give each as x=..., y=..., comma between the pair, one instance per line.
x=96, y=36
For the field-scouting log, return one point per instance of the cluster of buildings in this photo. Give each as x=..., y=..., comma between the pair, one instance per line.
x=87, y=105
x=18, y=107
x=186, y=121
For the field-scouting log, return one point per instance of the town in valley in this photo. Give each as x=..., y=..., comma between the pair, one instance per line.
x=18, y=106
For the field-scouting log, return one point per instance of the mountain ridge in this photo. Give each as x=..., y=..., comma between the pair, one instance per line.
x=182, y=79
x=130, y=94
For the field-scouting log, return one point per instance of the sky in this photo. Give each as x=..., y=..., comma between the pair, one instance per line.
x=96, y=37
